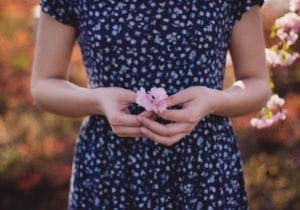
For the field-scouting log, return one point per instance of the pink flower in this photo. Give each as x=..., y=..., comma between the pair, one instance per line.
x=154, y=100
x=280, y=115
x=282, y=58
x=275, y=101
x=271, y=113
x=288, y=58
x=143, y=99
x=273, y=59
x=295, y=6
x=290, y=21
x=260, y=122
x=290, y=37
x=265, y=121
x=281, y=34
x=159, y=96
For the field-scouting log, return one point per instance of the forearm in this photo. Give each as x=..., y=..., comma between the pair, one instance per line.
x=65, y=98
x=242, y=98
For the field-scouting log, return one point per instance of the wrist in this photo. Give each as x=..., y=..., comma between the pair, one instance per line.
x=95, y=97
x=216, y=100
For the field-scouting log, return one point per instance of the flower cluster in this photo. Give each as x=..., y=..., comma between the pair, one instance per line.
x=286, y=29
x=295, y=6
x=280, y=58
x=154, y=100
x=289, y=22
x=272, y=113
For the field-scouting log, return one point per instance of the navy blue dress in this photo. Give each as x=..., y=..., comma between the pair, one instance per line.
x=173, y=44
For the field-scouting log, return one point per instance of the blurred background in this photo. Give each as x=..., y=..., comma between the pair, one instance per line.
x=36, y=148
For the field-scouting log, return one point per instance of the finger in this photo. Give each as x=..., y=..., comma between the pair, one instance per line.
x=126, y=110
x=123, y=131
x=148, y=114
x=178, y=115
x=179, y=98
x=123, y=119
x=127, y=95
x=170, y=129
x=161, y=139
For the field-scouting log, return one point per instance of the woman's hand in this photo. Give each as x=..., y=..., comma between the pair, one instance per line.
x=196, y=103
x=113, y=103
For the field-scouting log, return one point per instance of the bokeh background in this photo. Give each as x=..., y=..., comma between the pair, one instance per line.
x=36, y=148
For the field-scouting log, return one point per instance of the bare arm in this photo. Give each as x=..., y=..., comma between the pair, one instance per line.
x=52, y=91
x=248, y=53
x=49, y=86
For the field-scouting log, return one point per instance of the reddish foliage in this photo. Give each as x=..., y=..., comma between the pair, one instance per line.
x=59, y=174
x=284, y=132
x=28, y=181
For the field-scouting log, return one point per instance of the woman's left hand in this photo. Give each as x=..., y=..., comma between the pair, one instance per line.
x=196, y=102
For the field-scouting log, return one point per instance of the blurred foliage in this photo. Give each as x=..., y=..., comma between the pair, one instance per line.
x=272, y=160
x=36, y=148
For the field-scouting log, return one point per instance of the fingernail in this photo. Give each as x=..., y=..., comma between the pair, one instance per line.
x=144, y=130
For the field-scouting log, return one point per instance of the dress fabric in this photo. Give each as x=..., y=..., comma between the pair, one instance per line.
x=172, y=44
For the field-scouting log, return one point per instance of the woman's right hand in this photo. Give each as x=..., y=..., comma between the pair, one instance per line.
x=113, y=103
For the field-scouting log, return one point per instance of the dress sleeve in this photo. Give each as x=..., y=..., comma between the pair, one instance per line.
x=60, y=10
x=241, y=6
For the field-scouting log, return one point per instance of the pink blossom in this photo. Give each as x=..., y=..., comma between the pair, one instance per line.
x=143, y=99
x=295, y=6
x=292, y=38
x=265, y=122
x=271, y=113
x=275, y=101
x=159, y=96
x=287, y=36
x=158, y=93
x=154, y=100
x=282, y=57
x=282, y=34
x=273, y=59
x=280, y=115
x=290, y=21
x=261, y=122
x=288, y=58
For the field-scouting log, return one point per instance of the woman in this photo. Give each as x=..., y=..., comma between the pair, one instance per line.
x=125, y=158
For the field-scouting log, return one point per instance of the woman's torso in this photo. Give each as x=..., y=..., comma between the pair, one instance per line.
x=170, y=44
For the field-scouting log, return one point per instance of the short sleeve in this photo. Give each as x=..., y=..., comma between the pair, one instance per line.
x=241, y=6
x=60, y=10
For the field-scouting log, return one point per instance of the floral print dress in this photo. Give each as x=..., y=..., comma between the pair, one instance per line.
x=172, y=44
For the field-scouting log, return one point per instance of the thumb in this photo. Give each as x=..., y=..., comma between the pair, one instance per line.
x=178, y=98
x=148, y=114
x=128, y=95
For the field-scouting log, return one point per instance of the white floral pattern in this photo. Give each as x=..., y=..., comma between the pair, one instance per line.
x=172, y=44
